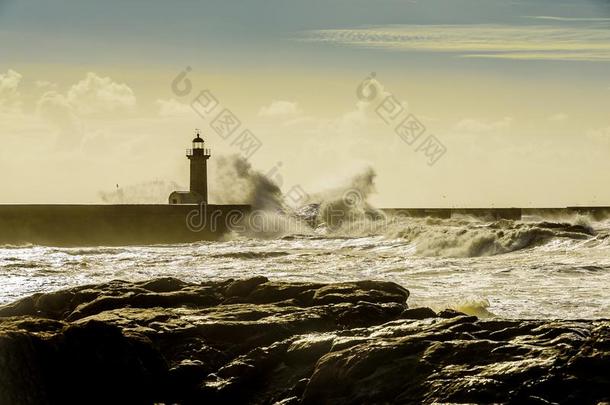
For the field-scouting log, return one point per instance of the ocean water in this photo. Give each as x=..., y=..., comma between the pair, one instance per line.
x=534, y=268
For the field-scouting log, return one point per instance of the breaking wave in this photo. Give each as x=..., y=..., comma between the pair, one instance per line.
x=344, y=211
x=453, y=238
x=250, y=255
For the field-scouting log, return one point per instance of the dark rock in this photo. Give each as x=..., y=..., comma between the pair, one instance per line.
x=418, y=313
x=261, y=342
x=360, y=291
x=165, y=284
x=242, y=288
x=92, y=362
x=450, y=313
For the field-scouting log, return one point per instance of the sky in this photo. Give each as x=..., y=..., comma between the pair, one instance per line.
x=510, y=98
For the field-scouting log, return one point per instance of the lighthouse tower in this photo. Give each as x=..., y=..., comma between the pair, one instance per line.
x=199, y=156
x=198, y=192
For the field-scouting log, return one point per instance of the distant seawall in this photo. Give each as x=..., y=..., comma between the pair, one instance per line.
x=92, y=225
x=446, y=213
x=499, y=213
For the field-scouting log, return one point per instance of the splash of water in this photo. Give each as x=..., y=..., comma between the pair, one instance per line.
x=150, y=192
x=237, y=182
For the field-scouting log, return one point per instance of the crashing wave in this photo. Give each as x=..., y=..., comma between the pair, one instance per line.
x=344, y=211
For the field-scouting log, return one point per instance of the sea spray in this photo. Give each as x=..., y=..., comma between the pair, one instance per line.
x=345, y=208
x=337, y=209
x=462, y=237
x=150, y=192
x=236, y=181
x=475, y=306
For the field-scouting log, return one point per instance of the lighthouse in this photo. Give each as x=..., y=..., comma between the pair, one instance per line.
x=198, y=193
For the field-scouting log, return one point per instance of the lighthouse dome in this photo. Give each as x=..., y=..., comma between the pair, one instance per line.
x=198, y=139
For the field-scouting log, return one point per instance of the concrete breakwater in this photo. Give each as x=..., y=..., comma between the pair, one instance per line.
x=91, y=225
x=446, y=213
x=498, y=213
x=113, y=225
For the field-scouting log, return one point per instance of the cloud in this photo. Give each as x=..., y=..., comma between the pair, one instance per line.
x=90, y=98
x=173, y=108
x=373, y=100
x=358, y=134
x=95, y=95
x=568, y=19
x=279, y=108
x=44, y=84
x=600, y=135
x=528, y=42
x=9, y=91
x=560, y=117
x=17, y=124
x=473, y=125
x=57, y=110
x=370, y=95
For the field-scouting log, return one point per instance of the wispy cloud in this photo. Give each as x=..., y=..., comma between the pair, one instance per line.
x=567, y=19
x=279, y=107
x=533, y=42
x=475, y=125
x=559, y=117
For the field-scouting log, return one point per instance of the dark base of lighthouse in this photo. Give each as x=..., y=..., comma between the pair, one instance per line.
x=112, y=225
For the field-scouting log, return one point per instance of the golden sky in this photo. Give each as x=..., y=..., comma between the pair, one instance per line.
x=518, y=97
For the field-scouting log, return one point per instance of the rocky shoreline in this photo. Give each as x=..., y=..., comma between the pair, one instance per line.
x=264, y=342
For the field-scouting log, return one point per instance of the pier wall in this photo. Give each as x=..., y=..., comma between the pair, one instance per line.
x=445, y=213
x=597, y=213
x=111, y=225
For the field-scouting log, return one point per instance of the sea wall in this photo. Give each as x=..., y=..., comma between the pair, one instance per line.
x=597, y=213
x=446, y=213
x=91, y=225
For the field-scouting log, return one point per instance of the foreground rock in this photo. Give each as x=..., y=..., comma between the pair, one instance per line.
x=256, y=341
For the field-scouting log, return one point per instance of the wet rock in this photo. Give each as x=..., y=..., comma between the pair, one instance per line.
x=360, y=291
x=450, y=313
x=418, y=313
x=53, y=362
x=259, y=341
x=242, y=288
